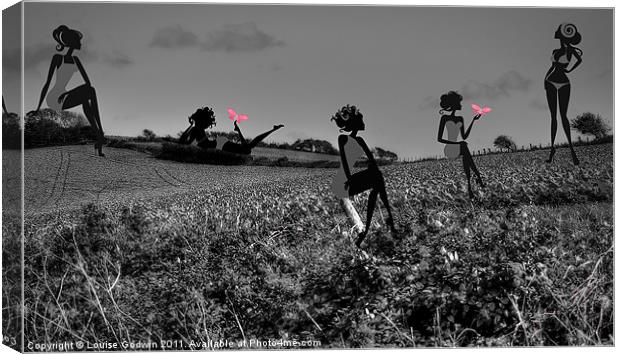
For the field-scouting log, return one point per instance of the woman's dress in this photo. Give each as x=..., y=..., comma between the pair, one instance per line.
x=63, y=76
x=353, y=151
x=453, y=151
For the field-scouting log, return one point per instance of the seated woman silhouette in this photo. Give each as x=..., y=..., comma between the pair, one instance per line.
x=64, y=66
x=557, y=85
x=204, y=118
x=451, y=102
x=347, y=184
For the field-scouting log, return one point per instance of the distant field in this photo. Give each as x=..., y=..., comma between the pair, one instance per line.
x=270, y=153
x=58, y=178
x=198, y=252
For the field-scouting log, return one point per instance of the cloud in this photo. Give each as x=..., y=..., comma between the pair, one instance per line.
x=503, y=86
x=245, y=37
x=539, y=104
x=174, y=37
x=35, y=55
x=118, y=60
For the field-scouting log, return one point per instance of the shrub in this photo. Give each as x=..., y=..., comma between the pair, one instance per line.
x=590, y=124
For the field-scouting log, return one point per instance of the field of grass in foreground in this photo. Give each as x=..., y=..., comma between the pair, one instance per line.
x=529, y=262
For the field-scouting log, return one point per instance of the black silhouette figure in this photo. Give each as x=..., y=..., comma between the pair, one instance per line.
x=4, y=107
x=557, y=84
x=204, y=118
x=347, y=184
x=64, y=66
x=451, y=102
x=201, y=120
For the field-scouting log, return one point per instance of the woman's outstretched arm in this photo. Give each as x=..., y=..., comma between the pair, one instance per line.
x=465, y=133
x=56, y=61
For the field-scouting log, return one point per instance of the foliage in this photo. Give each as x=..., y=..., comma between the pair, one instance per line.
x=11, y=132
x=314, y=145
x=51, y=128
x=148, y=135
x=528, y=262
x=590, y=124
x=504, y=142
x=383, y=154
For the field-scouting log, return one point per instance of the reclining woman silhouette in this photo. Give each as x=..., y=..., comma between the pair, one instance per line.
x=451, y=102
x=203, y=119
x=557, y=84
x=58, y=98
x=347, y=184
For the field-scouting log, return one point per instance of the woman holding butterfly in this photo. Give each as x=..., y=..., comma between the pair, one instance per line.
x=557, y=84
x=450, y=103
x=244, y=147
x=204, y=118
x=347, y=184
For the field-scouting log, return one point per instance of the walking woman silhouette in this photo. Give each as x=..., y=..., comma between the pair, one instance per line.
x=347, y=184
x=64, y=66
x=451, y=102
x=557, y=84
x=204, y=118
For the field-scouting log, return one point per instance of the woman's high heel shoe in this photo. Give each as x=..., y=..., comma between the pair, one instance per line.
x=551, y=153
x=98, y=147
x=575, y=159
x=360, y=239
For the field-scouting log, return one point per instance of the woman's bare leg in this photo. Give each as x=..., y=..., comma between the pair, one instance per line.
x=372, y=200
x=83, y=95
x=386, y=203
x=564, y=98
x=552, y=98
x=261, y=137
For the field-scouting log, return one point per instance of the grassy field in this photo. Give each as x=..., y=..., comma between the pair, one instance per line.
x=266, y=253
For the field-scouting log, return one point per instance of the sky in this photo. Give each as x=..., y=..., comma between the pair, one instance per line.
x=153, y=65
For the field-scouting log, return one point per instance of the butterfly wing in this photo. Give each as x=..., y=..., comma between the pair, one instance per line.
x=475, y=108
x=486, y=110
x=242, y=117
x=232, y=114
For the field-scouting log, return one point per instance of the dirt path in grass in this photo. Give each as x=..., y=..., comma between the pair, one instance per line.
x=67, y=177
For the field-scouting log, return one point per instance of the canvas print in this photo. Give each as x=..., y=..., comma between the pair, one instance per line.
x=232, y=176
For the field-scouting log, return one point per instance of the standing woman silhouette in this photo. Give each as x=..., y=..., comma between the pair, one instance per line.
x=58, y=98
x=557, y=84
x=347, y=184
x=451, y=102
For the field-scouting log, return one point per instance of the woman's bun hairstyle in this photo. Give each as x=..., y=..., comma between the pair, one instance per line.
x=449, y=100
x=347, y=118
x=568, y=33
x=204, y=115
x=63, y=35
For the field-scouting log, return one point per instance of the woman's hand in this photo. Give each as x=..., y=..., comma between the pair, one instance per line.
x=477, y=116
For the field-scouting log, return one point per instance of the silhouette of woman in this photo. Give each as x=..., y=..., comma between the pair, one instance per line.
x=201, y=120
x=557, y=84
x=451, y=102
x=58, y=98
x=204, y=118
x=347, y=184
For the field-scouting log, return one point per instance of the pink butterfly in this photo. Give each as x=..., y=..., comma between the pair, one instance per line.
x=481, y=111
x=234, y=116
